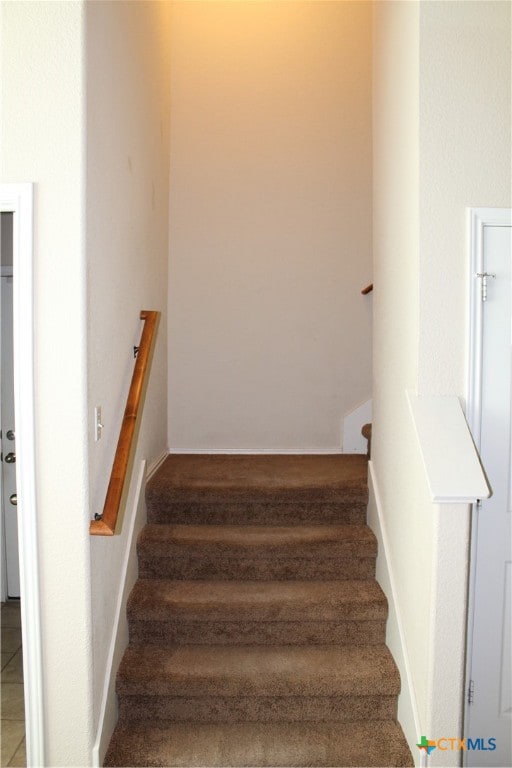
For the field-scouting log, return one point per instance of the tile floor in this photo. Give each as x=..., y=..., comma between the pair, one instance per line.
x=12, y=723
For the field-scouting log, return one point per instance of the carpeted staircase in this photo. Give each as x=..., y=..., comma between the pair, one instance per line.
x=256, y=626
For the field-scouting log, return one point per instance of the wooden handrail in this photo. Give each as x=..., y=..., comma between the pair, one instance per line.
x=105, y=524
x=368, y=289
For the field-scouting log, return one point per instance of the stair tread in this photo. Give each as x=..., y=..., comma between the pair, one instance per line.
x=256, y=535
x=185, y=477
x=258, y=670
x=259, y=744
x=257, y=600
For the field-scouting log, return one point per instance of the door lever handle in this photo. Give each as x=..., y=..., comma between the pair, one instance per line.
x=10, y=458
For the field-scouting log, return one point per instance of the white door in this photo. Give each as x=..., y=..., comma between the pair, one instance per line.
x=17, y=200
x=7, y=442
x=488, y=716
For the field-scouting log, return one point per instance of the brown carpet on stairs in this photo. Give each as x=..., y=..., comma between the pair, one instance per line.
x=257, y=627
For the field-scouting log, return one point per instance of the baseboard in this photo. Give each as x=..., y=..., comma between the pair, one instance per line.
x=352, y=440
x=408, y=714
x=155, y=465
x=259, y=451
x=108, y=713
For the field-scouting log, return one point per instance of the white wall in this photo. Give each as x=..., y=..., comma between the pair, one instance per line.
x=127, y=67
x=465, y=140
x=86, y=118
x=465, y=160
x=404, y=514
x=269, y=337
x=42, y=140
x=441, y=143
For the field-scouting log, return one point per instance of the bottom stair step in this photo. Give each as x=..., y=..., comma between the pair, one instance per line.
x=259, y=744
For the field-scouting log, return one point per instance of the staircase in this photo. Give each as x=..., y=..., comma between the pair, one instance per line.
x=256, y=626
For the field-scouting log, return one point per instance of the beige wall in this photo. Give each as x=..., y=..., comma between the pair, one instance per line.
x=441, y=143
x=269, y=337
x=42, y=140
x=127, y=69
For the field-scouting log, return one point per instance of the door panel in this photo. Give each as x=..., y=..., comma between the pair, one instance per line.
x=489, y=716
x=8, y=443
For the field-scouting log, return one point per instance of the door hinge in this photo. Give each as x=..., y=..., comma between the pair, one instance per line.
x=483, y=276
x=471, y=692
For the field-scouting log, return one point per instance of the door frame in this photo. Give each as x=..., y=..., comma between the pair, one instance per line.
x=477, y=219
x=18, y=199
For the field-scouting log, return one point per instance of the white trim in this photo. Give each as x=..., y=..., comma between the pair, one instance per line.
x=108, y=711
x=18, y=198
x=155, y=465
x=259, y=451
x=352, y=440
x=384, y=562
x=452, y=464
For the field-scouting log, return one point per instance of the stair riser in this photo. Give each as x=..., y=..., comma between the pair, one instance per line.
x=201, y=566
x=181, y=632
x=256, y=513
x=258, y=708
x=232, y=550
